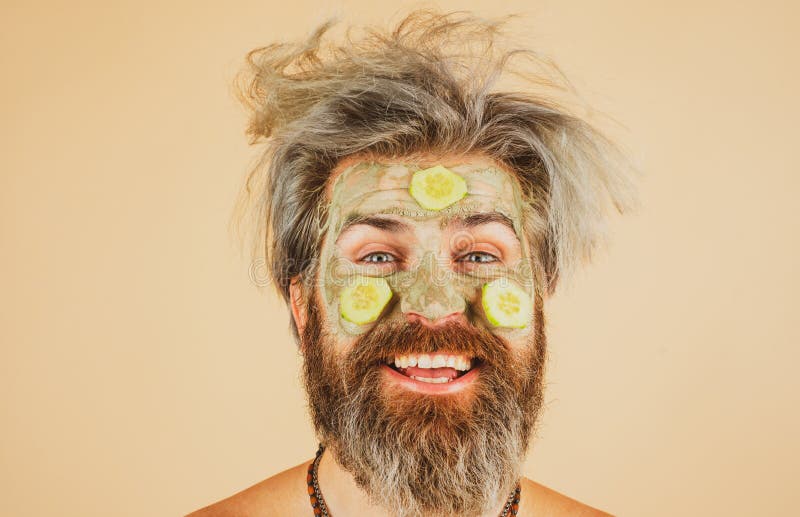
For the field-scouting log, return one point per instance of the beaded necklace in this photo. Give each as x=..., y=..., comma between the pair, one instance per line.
x=318, y=503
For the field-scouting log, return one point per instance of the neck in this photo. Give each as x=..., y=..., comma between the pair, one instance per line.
x=344, y=497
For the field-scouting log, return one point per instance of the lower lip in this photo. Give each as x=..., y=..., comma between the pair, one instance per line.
x=453, y=386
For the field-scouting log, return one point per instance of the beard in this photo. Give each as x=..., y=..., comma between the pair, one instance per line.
x=420, y=454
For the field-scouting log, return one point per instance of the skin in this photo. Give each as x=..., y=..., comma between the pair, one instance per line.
x=435, y=267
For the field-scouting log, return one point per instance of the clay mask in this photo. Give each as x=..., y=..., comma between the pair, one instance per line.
x=396, y=242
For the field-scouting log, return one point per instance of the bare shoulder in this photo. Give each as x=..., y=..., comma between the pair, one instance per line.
x=541, y=501
x=287, y=492
x=276, y=495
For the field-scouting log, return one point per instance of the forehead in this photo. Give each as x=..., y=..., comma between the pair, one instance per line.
x=381, y=187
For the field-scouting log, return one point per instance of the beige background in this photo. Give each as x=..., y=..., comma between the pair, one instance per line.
x=142, y=373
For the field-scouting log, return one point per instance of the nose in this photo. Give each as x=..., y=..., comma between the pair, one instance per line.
x=431, y=296
x=415, y=317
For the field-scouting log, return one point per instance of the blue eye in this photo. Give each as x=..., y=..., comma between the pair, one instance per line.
x=378, y=258
x=479, y=257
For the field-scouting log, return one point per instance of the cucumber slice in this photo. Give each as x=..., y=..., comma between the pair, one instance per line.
x=364, y=299
x=437, y=187
x=506, y=304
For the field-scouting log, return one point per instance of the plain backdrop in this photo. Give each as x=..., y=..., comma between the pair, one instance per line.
x=143, y=373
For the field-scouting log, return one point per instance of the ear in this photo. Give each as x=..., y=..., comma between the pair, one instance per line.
x=298, y=303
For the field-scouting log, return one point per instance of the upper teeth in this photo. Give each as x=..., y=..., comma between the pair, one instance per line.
x=459, y=362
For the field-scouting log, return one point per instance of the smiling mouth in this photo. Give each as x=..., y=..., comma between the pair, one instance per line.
x=432, y=373
x=432, y=368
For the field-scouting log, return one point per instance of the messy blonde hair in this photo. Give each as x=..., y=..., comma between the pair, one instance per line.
x=427, y=85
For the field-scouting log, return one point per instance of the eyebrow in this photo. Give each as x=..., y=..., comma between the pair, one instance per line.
x=478, y=219
x=376, y=221
x=395, y=226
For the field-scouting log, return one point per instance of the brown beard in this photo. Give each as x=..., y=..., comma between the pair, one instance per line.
x=417, y=454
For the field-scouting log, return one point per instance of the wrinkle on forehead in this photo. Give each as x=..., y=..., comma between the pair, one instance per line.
x=484, y=178
x=373, y=188
x=399, y=166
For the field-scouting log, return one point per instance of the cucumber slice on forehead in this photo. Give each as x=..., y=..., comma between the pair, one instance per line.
x=506, y=304
x=437, y=187
x=363, y=300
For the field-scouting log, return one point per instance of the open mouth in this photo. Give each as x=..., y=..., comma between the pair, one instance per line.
x=433, y=368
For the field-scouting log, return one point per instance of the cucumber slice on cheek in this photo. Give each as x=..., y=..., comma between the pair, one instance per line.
x=363, y=300
x=506, y=304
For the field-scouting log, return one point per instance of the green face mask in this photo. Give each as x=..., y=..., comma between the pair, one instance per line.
x=431, y=241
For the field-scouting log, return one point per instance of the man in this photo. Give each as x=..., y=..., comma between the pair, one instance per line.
x=415, y=220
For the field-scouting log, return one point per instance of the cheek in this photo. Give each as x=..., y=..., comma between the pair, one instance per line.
x=332, y=277
x=331, y=343
x=339, y=276
x=413, y=293
x=411, y=287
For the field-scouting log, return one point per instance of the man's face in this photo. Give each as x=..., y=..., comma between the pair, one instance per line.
x=431, y=403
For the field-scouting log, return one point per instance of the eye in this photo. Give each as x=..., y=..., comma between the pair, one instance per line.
x=479, y=257
x=378, y=257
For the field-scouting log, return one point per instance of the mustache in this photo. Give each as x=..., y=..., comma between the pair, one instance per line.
x=388, y=340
